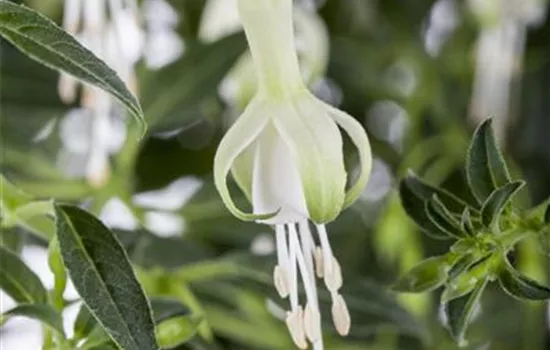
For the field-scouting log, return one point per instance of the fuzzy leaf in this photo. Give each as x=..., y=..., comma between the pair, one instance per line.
x=459, y=312
x=440, y=216
x=41, y=39
x=18, y=280
x=486, y=170
x=497, y=201
x=520, y=286
x=425, y=276
x=414, y=193
x=103, y=276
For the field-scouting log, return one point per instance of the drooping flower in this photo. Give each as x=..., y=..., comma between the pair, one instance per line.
x=285, y=152
x=110, y=29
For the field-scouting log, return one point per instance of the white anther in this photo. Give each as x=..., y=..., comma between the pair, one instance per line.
x=295, y=324
x=333, y=277
x=280, y=279
x=340, y=315
x=319, y=266
x=312, y=323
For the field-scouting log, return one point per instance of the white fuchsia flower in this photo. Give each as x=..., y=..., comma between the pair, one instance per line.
x=285, y=152
x=110, y=29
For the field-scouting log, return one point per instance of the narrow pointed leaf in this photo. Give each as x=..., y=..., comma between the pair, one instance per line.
x=442, y=218
x=40, y=312
x=497, y=201
x=41, y=39
x=103, y=276
x=486, y=170
x=520, y=286
x=460, y=311
x=466, y=281
x=466, y=223
x=414, y=194
x=18, y=280
x=462, y=264
x=425, y=276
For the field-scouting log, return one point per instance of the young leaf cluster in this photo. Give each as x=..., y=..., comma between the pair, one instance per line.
x=484, y=234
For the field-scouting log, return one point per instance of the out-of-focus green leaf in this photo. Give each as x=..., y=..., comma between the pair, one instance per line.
x=84, y=323
x=497, y=201
x=174, y=331
x=18, y=281
x=486, y=169
x=40, y=312
x=167, y=93
x=460, y=311
x=427, y=275
x=165, y=308
x=521, y=287
x=103, y=276
x=44, y=41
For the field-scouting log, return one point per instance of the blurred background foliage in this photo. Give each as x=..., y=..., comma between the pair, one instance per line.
x=405, y=69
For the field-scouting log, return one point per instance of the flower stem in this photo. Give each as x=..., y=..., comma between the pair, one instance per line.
x=269, y=31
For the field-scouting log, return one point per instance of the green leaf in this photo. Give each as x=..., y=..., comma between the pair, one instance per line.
x=462, y=264
x=460, y=311
x=18, y=281
x=414, y=194
x=178, y=330
x=103, y=276
x=169, y=92
x=440, y=216
x=497, y=201
x=486, y=169
x=466, y=281
x=520, y=286
x=165, y=308
x=466, y=223
x=84, y=323
x=427, y=275
x=40, y=312
x=41, y=39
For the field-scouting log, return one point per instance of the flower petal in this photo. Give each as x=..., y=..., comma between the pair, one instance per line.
x=316, y=147
x=358, y=136
x=240, y=135
x=242, y=170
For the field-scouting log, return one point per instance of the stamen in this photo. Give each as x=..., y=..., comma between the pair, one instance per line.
x=325, y=245
x=312, y=323
x=340, y=314
x=333, y=279
x=282, y=247
x=319, y=266
x=294, y=322
x=293, y=275
x=280, y=280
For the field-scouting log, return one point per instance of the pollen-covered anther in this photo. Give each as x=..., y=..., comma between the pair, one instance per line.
x=280, y=279
x=340, y=315
x=333, y=276
x=295, y=324
x=312, y=323
x=319, y=266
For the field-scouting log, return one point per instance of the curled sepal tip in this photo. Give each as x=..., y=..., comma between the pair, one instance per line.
x=235, y=141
